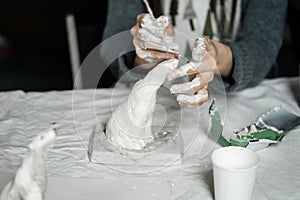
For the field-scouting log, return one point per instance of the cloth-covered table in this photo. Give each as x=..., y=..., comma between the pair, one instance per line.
x=24, y=115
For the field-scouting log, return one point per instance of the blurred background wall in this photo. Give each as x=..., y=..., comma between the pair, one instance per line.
x=289, y=55
x=34, y=53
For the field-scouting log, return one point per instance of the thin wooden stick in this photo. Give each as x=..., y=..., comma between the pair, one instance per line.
x=149, y=9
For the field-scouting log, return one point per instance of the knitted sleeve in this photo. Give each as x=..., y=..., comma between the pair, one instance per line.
x=121, y=16
x=258, y=41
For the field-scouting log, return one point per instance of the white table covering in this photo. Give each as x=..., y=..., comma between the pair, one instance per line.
x=24, y=115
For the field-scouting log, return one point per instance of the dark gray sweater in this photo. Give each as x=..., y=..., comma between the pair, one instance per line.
x=254, y=50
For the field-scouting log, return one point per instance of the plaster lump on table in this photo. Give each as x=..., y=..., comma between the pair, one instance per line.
x=130, y=124
x=30, y=180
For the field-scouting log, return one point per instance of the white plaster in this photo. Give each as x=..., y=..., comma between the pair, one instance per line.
x=130, y=124
x=199, y=51
x=148, y=8
x=194, y=99
x=183, y=70
x=30, y=181
x=158, y=28
x=186, y=87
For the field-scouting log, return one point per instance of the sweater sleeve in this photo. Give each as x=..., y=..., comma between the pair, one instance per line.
x=121, y=16
x=258, y=42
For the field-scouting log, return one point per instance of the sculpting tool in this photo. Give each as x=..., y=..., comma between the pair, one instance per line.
x=149, y=9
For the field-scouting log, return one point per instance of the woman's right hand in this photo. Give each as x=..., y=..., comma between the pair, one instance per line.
x=153, y=39
x=208, y=57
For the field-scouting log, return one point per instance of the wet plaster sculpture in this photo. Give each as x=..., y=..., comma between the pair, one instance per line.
x=130, y=125
x=129, y=128
x=30, y=180
x=129, y=137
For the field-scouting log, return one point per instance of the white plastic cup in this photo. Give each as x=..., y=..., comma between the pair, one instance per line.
x=234, y=171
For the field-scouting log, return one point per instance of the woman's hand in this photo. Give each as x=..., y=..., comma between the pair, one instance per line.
x=153, y=39
x=209, y=57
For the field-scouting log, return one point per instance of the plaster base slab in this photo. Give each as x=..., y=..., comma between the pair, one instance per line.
x=167, y=149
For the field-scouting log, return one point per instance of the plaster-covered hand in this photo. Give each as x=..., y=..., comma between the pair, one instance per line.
x=208, y=57
x=153, y=39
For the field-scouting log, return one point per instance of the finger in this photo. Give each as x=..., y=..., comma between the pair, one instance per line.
x=199, y=82
x=199, y=51
x=187, y=69
x=133, y=30
x=204, y=79
x=162, y=46
x=137, y=44
x=189, y=87
x=163, y=55
x=138, y=24
x=208, y=64
x=143, y=52
x=145, y=64
x=152, y=41
x=170, y=30
x=173, y=48
x=163, y=29
x=207, y=77
x=204, y=42
x=163, y=21
x=146, y=56
x=194, y=100
x=157, y=27
x=155, y=46
x=139, y=19
x=154, y=55
x=148, y=45
x=146, y=36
